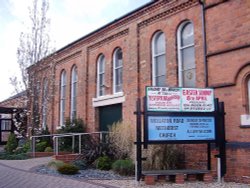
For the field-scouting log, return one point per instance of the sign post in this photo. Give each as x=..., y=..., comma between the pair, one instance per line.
x=181, y=115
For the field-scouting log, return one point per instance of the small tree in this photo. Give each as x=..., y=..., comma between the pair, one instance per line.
x=34, y=46
x=11, y=143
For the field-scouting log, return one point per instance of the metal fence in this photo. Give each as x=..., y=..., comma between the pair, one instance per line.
x=56, y=137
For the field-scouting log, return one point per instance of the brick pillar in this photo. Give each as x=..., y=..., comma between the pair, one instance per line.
x=179, y=179
x=207, y=178
x=149, y=180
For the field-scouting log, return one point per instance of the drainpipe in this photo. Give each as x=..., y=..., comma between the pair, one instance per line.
x=202, y=2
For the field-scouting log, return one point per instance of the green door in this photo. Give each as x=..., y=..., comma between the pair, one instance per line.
x=109, y=115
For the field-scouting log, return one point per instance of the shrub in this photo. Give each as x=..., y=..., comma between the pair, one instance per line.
x=26, y=147
x=124, y=167
x=48, y=149
x=68, y=169
x=104, y=163
x=40, y=147
x=11, y=143
x=81, y=164
x=7, y=156
x=55, y=164
x=163, y=157
x=74, y=126
x=121, y=139
x=93, y=148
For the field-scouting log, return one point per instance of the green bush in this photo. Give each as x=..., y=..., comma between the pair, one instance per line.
x=11, y=143
x=7, y=156
x=26, y=146
x=104, y=163
x=74, y=126
x=68, y=169
x=81, y=164
x=40, y=147
x=48, y=149
x=55, y=164
x=124, y=167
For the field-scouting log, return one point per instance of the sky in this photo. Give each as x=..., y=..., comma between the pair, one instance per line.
x=70, y=20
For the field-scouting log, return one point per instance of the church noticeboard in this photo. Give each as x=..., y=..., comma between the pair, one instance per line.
x=179, y=128
x=180, y=99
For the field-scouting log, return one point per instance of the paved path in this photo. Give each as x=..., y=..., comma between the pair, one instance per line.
x=17, y=174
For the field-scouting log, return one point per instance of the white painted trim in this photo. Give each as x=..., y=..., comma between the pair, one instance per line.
x=101, y=58
x=156, y=55
x=114, y=69
x=108, y=100
x=179, y=49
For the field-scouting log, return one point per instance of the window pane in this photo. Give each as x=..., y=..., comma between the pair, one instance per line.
x=189, y=78
x=188, y=58
x=160, y=65
x=118, y=76
x=160, y=81
x=6, y=125
x=118, y=88
x=160, y=43
x=74, y=75
x=118, y=58
x=101, y=64
x=187, y=35
x=102, y=90
x=101, y=79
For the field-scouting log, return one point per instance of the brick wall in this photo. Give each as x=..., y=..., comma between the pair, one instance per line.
x=227, y=25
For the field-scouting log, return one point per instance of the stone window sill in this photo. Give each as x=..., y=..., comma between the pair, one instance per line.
x=108, y=100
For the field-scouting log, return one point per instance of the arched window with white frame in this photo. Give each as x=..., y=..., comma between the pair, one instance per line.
x=73, y=101
x=117, y=71
x=101, y=76
x=159, y=59
x=62, y=97
x=44, y=103
x=186, y=55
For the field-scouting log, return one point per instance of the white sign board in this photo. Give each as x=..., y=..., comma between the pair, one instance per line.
x=163, y=99
x=180, y=99
x=197, y=100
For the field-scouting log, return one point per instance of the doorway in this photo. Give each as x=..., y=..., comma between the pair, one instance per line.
x=109, y=115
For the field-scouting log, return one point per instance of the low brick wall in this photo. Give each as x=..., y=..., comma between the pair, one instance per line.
x=66, y=158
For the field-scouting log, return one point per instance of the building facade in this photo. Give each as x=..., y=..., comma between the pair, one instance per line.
x=172, y=43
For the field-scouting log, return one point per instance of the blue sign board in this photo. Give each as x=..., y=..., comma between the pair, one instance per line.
x=170, y=128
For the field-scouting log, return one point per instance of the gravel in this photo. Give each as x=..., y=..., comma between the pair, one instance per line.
x=111, y=179
x=89, y=174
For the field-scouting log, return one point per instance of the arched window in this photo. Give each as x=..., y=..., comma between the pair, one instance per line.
x=62, y=98
x=44, y=103
x=101, y=76
x=186, y=55
x=73, y=93
x=159, y=59
x=117, y=71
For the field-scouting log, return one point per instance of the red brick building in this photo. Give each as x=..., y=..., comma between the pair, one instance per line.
x=173, y=43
